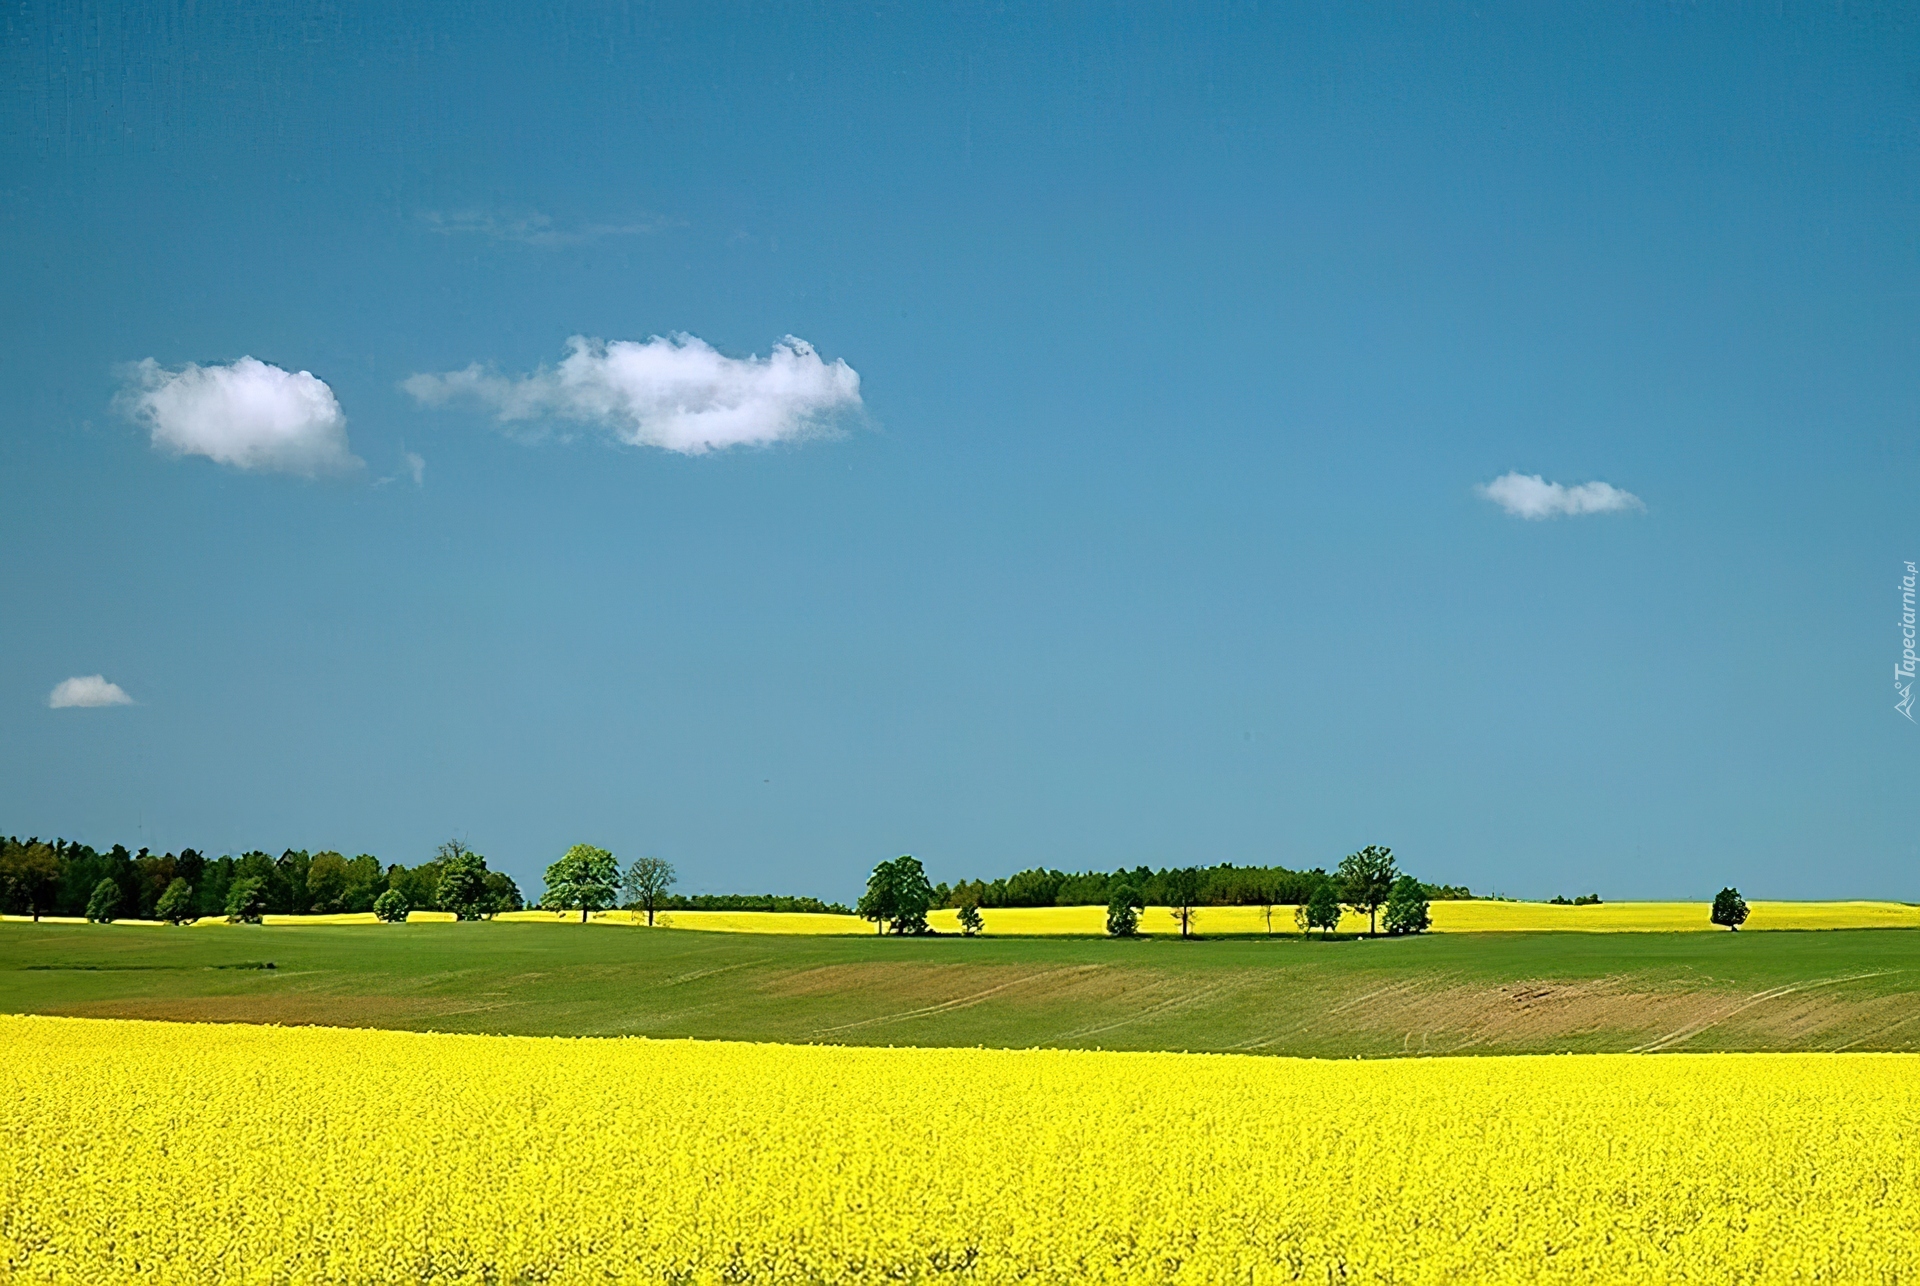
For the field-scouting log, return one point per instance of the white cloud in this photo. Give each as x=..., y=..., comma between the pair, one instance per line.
x=412, y=465
x=676, y=393
x=1530, y=496
x=87, y=692
x=247, y=414
x=534, y=229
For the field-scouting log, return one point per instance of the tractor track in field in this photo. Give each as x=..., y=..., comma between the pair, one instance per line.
x=958, y=1002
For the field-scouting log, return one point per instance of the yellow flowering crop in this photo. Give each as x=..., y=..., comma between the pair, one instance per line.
x=164, y=1153
x=1448, y=917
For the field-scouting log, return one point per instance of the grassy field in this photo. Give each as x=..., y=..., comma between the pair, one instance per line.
x=1441, y=994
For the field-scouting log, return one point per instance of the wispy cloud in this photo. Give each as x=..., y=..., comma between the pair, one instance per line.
x=1531, y=496
x=247, y=414
x=412, y=465
x=87, y=692
x=677, y=393
x=534, y=229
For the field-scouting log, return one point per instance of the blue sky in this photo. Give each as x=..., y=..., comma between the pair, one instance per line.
x=1184, y=340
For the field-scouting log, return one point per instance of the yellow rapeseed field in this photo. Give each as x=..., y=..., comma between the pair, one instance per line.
x=162, y=1153
x=1448, y=917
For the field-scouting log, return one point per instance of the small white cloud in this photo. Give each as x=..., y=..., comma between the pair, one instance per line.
x=534, y=229
x=1530, y=496
x=247, y=414
x=412, y=465
x=87, y=692
x=677, y=393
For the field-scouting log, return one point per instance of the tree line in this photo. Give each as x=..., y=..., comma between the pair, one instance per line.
x=1223, y=884
x=61, y=878
x=899, y=896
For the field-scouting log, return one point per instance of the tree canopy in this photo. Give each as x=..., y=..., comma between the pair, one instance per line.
x=1407, y=907
x=176, y=904
x=584, y=879
x=1729, y=908
x=1321, y=910
x=1366, y=878
x=645, y=883
x=898, y=897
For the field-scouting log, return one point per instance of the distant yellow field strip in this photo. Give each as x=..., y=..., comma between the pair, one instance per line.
x=172, y=1154
x=1448, y=917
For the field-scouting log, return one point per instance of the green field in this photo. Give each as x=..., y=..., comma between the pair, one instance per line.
x=1442, y=994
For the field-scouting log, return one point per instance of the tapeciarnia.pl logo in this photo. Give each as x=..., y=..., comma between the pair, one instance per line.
x=1903, y=672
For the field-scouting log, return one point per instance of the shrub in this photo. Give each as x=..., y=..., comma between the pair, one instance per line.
x=1407, y=907
x=246, y=902
x=391, y=907
x=1321, y=910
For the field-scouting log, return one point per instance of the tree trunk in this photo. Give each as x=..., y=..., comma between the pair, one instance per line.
x=583, y=913
x=649, y=915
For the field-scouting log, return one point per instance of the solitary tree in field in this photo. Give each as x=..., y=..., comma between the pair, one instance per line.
x=585, y=877
x=898, y=897
x=1366, y=878
x=391, y=907
x=1183, y=893
x=1730, y=909
x=1407, y=907
x=176, y=904
x=104, y=905
x=970, y=921
x=247, y=901
x=646, y=882
x=1321, y=910
x=1267, y=904
x=1123, y=910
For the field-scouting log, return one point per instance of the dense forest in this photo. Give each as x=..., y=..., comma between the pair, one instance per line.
x=61, y=878
x=1221, y=885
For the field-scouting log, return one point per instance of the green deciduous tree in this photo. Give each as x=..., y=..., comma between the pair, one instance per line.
x=502, y=894
x=1321, y=910
x=970, y=921
x=1407, y=907
x=646, y=882
x=247, y=901
x=30, y=875
x=1124, y=905
x=104, y=904
x=1183, y=896
x=1366, y=878
x=462, y=887
x=1730, y=909
x=176, y=904
x=898, y=897
x=327, y=877
x=391, y=907
x=585, y=878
